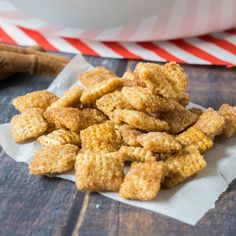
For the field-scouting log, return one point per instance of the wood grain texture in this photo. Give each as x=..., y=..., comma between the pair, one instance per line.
x=32, y=205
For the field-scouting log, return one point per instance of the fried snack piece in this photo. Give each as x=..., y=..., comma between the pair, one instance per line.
x=100, y=138
x=138, y=154
x=143, y=99
x=196, y=111
x=130, y=81
x=91, y=95
x=28, y=125
x=64, y=118
x=96, y=76
x=73, y=119
x=59, y=137
x=111, y=101
x=143, y=181
x=194, y=136
x=154, y=78
x=229, y=114
x=210, y=123
x=71, y=98
x=139, y=120
x=183, y=99
x=129, y=135
x=99, y=171
x=178, y=119
x=159, y=142
x=183, y=165
x=53, y=160
x=177, y=75
x=91, y=116
x=38, y=99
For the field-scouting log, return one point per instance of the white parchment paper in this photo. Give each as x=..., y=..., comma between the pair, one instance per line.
x=187, y=202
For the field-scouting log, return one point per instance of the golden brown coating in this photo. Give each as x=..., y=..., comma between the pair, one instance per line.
x=91, y=95
x=28, y=125
x=71, y=98
x=183, y=99
x=153, y=77
x=91, y=116
x=73, y=119
x=111, y=101
x=129, y=135
x=59, y=137
x=196, y=111
x=143, y=181
x=96, y=76
x=132, y=154
x=143, y=99
x=64, y=118
x=210, y=123
x=38, y=99
x=159, y=142
x=194, y=136
x=178, y=119
x=53, y=160
x=229, y=114
x=139, y=120
x=176, y=75
x=100, y=138
x=99, y=171
x=183, y=165
x=130, y=81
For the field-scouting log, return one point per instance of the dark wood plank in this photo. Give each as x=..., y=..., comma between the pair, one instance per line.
x=32, y=205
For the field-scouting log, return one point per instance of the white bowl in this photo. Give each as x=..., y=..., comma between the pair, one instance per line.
x=129, y=20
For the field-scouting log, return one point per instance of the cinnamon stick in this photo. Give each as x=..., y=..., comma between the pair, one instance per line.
x=12, y=63
x=17, y=49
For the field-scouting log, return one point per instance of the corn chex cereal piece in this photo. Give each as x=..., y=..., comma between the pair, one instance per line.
x=73, y=119
x=129, y=135
x=177, y=75
x=59, y=137
x=91, y=116
x=179, y=119
x=194, y=136
x=96, y=76
x=91, y=95
x=39, y=99
x=196, y=111
x=28, y=125
x=183, y=165
x=229, y=114
x=111, y=101
x=138, y=154
x=143, y=181
x=64, y=118
x=153, y=77
x=99, y=171
x=53, y=160
x=130, y=81
x=100, y=138
x=210, y=123
x=139, y=120
x=71, y=98
x=159, y=142
x=143, y=99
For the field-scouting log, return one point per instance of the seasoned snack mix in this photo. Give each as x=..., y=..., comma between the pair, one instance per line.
x=138, y=122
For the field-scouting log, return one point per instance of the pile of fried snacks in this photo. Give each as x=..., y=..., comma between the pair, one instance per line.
x=140, y=119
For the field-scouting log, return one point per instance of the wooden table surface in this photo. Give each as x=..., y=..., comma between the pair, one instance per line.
x=38, y=205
